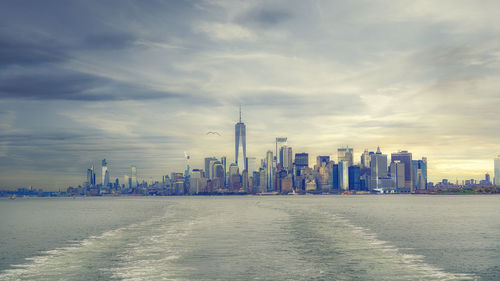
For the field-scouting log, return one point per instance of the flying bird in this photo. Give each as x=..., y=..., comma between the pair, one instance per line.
x=213, y=133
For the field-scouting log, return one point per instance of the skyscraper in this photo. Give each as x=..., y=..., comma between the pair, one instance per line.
x=419, y=174
x=405, y=157
x=223, y=160
x=105, y=173
x=301, y=161
x=240, y=147
x=497, y=171
x=354, y=177
x=365, y=159
x=251, y=165
x=234, y=177
x=269, y=171
x=322, y=161
x=378, y=166
x=398, y=174
x=133, y=177
x=211, y=165
x=345, y=154
x=91, y=176
x=126, y=180
x=207, y=165
x=335, y=177
x=343, y=176
x=286, y=158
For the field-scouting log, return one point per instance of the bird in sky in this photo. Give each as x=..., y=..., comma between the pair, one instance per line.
x=213, y=133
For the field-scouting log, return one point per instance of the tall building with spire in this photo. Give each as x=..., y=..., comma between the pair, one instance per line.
x=90, y=176
x=240, y=144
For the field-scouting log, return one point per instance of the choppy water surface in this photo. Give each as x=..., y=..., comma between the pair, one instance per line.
x=260, y=238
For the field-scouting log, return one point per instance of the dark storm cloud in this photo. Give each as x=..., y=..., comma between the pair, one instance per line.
x=75, y=86
x=23, y=139
x=16, y=51
x=69, y=86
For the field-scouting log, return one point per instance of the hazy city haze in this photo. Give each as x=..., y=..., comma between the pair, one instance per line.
x=140, y=82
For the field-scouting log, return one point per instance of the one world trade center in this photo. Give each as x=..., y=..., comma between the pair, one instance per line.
x=240, y=144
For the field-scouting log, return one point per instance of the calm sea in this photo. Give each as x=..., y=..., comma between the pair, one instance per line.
x=400, y=237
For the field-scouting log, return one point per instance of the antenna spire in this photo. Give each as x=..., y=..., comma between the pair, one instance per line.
x=240, y=112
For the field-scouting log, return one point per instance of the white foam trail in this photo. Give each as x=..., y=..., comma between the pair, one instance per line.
x=414, y=262
x=153, y=255
x=78, y=259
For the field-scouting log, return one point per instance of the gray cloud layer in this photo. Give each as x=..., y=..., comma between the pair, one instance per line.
x=139, y=82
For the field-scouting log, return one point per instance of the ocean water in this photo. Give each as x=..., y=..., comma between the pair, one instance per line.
x=396, y=237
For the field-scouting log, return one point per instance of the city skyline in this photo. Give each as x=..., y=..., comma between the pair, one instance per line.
x=140, y=83
x=353, y=158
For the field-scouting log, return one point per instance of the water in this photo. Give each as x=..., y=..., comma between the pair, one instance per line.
x=401, y=237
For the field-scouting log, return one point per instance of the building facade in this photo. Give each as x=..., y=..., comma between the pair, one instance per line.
x=405, y=157
x=346, y=154
x=240, y=144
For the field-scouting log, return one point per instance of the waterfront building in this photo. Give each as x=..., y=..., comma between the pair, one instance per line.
x=301, y=162
x=343, y=175
x=126, y=180
x=179, y=186
x=335, y=177
x=419, y=174
x=208, y=160
x=218, y=176
x=223, y=160
x=354, y=178
x=386, y=183
x=105, y=173
x=310, y=184
x=251, y=165
x=365, y=159
x=90, y=177
x=487, y=179
x=322, y=161
x=378, y=167
x=398, y=175
x=323, y=178
x=234, y=177
x=240, y=147
x=194, y=181
x=269, y=171
x=286, y=158
x=262, y=180
x=346, y=154
x=244, y=180
x=405, y=157
x=287, y=184
x=255, y=181
x=211, y=165
x=497, y=171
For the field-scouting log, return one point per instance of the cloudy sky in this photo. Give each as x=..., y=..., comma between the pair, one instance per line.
x=140, y=82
